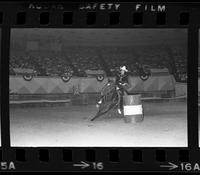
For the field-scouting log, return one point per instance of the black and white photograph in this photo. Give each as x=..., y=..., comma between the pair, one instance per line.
x=97, y=87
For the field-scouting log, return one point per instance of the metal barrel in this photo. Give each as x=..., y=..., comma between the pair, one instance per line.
x=132, y=108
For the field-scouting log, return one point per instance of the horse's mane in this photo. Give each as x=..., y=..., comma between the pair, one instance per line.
x=108, y=88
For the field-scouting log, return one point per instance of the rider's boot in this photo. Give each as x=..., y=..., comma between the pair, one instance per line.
x=119, y=111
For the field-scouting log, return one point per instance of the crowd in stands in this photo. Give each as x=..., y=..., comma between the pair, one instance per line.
x=154, y=57
x=115, y=58
x=42, y=66
x=77, y=60
x=84, y=59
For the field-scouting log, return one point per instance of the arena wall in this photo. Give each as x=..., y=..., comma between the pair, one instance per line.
x=181, y=89
x=55, y=87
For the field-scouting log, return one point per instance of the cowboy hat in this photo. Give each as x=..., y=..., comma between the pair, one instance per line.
x=123, y=68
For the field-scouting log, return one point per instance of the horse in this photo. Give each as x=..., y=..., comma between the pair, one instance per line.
x=109, y=99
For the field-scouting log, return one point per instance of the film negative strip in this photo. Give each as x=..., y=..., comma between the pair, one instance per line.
x=99, y=86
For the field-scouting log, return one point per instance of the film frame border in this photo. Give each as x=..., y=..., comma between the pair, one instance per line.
x=121, y=158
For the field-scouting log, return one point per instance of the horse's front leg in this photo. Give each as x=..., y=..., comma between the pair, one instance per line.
x=99, y=103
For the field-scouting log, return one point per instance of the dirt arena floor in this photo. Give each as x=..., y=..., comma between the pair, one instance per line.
x=164, y=125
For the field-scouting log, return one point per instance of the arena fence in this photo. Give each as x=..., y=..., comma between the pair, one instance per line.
x=53, y=85
x=46, y=90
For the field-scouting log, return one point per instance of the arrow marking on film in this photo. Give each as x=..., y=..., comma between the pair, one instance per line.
x=170, y=165
x=82, y=165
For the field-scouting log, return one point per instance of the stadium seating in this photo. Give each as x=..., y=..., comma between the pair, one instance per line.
x=43, y=66
x=77, y=60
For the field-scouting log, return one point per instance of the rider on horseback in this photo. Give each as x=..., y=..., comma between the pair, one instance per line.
x=122, y=83
x=113, y=92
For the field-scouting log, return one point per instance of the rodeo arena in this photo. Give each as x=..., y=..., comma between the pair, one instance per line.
x=69, y=96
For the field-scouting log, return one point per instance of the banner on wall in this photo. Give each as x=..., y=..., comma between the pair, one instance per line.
x=66, y=77
x=100, y=77
x=99, y=74
x=26, y=73
x=145, y=76
x=28, y=77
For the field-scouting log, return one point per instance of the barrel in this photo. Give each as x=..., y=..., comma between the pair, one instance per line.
x=132, y=108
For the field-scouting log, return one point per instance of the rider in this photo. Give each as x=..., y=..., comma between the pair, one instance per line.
x=122, y=83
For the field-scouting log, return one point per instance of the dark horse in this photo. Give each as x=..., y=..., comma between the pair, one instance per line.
x=110, y=99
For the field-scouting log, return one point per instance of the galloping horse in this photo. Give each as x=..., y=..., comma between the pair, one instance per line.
x=110, y=99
